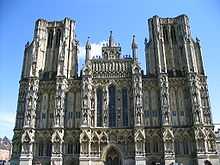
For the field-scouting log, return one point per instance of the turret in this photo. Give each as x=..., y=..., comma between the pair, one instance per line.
x=134, y=48
x=111, y=50
x=88, y=50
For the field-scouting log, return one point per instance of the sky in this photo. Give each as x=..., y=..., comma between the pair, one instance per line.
x=95, y=18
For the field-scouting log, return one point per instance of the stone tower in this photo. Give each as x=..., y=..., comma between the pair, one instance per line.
x=113, y=113
x=49, y=61
x=174, y=57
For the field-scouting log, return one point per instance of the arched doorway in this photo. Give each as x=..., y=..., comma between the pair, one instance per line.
x=113, y=157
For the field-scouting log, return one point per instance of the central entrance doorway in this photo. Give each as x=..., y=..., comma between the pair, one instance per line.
x=113, y=157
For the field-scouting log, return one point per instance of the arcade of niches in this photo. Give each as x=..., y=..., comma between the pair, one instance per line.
x=111, y=113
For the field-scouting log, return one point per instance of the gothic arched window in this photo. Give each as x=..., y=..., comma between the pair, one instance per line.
x=177, y=145
x=155, y=145
x=69, y=110
x=50, y=39
x=173, y=34
x=112, y=108
x=58, y=35
x=165, y=34
x=44, y=111
x=185, y=146
x=147, y=146
x=99, y=95
x=125, y=106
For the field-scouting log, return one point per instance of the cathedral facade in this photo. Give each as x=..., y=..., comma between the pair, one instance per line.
x=112, y=113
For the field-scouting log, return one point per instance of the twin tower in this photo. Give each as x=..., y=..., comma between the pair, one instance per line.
x=113, y=113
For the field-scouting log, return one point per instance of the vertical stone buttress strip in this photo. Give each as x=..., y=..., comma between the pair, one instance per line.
x=30, y=109
x=61, y=87
x=86, y=92
x=139, y=132
x=198, y=89
x=167, y=132
x=192, y=79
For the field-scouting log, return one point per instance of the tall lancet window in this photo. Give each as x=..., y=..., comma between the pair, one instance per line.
x=173, y=34
x=112, y=108
x=50, y=39
x=99, y=95
x=165, y=34
x=125, y=106
x=58, y=35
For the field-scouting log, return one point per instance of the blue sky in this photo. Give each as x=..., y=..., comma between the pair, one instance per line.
x=95, y=18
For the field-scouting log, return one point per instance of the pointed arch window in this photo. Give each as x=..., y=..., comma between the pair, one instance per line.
x=165, y=34
x=58, y=36
x=99, y=95
x=173, y=34
x=156, y=145
x=125, y=106
x=50, y=39
x=40, y=149
x=112, y=108
x=147, y=146
x=185, y=146
x=70, y=148
x=177, y=145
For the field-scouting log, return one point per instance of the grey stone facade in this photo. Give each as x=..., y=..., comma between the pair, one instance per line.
x=217, y=134
x=113, y=113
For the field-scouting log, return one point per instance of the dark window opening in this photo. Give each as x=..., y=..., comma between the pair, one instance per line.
x=112, y=108
x=58, y=36
x=99, y=106
x=125, y=106
x=50, y=39
x=173, y=34
x=165, y=34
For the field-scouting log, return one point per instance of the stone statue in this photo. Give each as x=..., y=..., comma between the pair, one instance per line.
x=85, y=102
x=138, y=118
x=85, y=118
x=105, y=100
x=92, y=118
x=208, y=118
x=105, y=118
x=56, y=147
x=164, y=99
x=58, y=102
x=195, y=100
x=138, y=100
x=30, y=102
x=93, y=103
x=168, y=146
x=61, y=68
x=26, y=147
x=33, y=69
x=28, y=118
x=58, y=118
x=166, y=117
x=197, y=116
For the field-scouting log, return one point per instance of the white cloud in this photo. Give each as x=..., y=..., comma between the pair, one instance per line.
x=96, y=50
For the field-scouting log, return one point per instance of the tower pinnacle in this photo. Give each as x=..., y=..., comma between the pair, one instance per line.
x=88, y=50
x=134, y=44
x=88, y=45
x=111, y=43
x=134, y=47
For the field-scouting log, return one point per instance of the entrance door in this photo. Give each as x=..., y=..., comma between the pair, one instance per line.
x=113, y=157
